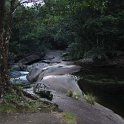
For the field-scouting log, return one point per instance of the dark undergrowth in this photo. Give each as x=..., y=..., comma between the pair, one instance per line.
x=16, y=100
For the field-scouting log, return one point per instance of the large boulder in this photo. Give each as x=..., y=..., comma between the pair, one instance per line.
x=41, y=70
x=58, y=69
x=61, y=84
x=35, y=70
x=30, y=59
x=43, y=91
x=53, y=57
x=36, y=65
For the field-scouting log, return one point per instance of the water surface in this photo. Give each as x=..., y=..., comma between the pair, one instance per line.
x=107, y=84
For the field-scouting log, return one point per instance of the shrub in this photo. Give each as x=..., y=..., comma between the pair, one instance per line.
x=90, y=98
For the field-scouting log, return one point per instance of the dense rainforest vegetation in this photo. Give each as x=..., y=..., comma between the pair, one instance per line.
x=84, y=28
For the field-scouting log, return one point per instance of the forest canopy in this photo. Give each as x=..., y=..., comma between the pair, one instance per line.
x=79, y=25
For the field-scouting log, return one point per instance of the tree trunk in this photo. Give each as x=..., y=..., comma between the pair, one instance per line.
x=4, y=80
x=5, y=34
x=4, y=63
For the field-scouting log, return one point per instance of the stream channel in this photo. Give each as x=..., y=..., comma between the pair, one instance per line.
x=106, y=84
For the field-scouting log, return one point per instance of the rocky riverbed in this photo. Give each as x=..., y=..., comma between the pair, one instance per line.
x=52, y=79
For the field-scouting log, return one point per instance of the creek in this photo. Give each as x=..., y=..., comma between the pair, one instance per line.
x=56, y=74
x=106, y=84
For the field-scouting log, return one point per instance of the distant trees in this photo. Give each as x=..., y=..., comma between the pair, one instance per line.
x=97, y=24
x=82, y=24
x=39, y=28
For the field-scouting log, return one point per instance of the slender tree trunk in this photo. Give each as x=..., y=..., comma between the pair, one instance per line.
x=3, y=51
x=5, y=34
x=4, y=63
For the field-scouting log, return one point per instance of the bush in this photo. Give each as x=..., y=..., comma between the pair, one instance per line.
x=90, y=98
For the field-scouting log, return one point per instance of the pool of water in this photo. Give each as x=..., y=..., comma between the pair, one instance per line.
x=107, y=84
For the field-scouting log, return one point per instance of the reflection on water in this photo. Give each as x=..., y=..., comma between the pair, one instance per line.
x=107, y=84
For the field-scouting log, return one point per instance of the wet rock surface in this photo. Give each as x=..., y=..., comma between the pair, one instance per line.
x=61, y=84
x=37, y=73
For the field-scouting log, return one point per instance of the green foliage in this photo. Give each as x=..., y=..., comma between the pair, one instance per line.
x=96, y=28
x=7, y=108
x=99, y=53
x=81, y=25
x=70, y=93
x=76, y=50
x=90, y=98
x=16, y=101
x=40, y=28
x=29, y=32
x=76, y=95
x=69, y=118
